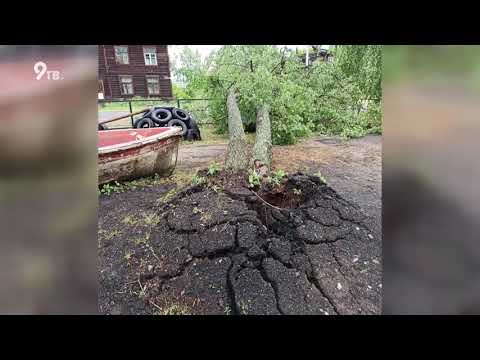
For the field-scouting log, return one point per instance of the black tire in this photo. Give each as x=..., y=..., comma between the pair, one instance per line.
x=161, y=116
x=101, y=127
x=144, y=123
x=190, y=136
x=180, y=114
x=195, y=128
x=176, y=122
x=137, y=120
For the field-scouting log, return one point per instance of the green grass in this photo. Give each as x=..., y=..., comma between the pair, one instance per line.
x=136, y=105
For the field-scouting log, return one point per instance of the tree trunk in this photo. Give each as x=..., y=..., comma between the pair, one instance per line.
x=262, y=150
x=237, y=158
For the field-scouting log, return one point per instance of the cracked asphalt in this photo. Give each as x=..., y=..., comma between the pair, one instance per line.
x=226, y=252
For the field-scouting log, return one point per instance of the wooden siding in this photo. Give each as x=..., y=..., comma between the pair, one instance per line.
x=109, y=71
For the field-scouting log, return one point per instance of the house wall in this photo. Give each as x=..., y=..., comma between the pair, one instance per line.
x=109, y=71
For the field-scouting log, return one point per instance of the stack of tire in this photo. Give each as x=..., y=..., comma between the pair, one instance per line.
x=162, y=116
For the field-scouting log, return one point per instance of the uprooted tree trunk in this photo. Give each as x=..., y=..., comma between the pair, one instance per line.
x=237, y=158
x=262, y=150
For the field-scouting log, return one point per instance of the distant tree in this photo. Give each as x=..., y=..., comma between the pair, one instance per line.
x=190, y=71
x=363, y=64
x=252, y=71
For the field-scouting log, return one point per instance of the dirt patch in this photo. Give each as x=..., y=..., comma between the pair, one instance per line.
x=352, y=167
x=219, y=248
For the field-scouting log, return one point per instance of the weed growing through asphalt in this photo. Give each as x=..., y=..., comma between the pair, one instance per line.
x=213, y=168
x=197, y=210
x=174, y=310
x=253, y=178
x=110, y=235
x=151, y=219
x=276, y=178
x=109, y=189
x=215, y=188
x=197, y=180
x=128, y=255
x=129, y=220
x=297, y=191
x=319, y=175
x=243, y=308
x=166, y=196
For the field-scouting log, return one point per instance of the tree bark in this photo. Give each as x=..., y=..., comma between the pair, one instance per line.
x=237, y=158
x=262, y=150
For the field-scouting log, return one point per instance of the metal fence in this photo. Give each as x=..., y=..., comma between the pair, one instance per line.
x=198, y=108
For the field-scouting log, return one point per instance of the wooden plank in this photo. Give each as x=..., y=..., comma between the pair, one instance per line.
x=123, y=116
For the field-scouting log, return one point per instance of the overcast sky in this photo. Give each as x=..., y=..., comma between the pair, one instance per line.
x=205, y=50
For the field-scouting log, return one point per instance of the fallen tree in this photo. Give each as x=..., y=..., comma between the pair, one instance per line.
x=237, y=157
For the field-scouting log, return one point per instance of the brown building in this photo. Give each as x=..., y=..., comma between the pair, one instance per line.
x=125, y=71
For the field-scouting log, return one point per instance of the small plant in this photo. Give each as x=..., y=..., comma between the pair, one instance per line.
x=151, y=219
x=128, y=255
x=277, y=177
x=205, y=217
x=273, y=180
x=175, y=310
x=166, y=196
x=129, y=220
x=253, y=178
x=197, y=180
x=243, y=308
x=109, y=189
x=297, y=191
x=279, y=174
x=112, y=234
x=197, y=210
x=319, y=175
x=215, y=188
x=213, y=168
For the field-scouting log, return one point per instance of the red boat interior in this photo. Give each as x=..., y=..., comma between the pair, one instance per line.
x=117, y=137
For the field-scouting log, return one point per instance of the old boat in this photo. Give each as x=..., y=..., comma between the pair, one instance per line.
x=126, y=154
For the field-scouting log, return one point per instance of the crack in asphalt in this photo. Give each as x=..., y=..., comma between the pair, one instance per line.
x=270, y=223
x=274, y=288
x=313, y=280
x=231, y=291
x=340, y=266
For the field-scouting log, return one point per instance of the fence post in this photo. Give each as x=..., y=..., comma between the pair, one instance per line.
x=130, y=107
x=178, y=103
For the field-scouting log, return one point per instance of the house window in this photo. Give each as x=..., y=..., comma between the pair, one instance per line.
x=121, y=54
x=150, y=55
x=153, y=85
x=126, y=85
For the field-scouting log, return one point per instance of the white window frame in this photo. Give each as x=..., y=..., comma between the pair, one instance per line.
x=148, y=77
x=121, y=84
x=149, y=56
x=123, y=58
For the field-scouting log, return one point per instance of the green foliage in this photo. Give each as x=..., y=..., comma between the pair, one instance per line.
x=253, y=178
x=191, y=70
x=197, y=210
x=109, y=189
x=213, y=168
x=297, y=192
x=319, y=175
x=262, y=75
x=363, y=64
x=338, y=98
x=178, y=92
x=174, y=309
x=197, y=180
x=276, y=178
